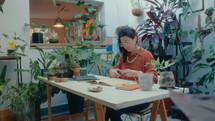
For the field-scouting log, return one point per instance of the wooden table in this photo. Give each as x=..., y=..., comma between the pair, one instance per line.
x=111, y=97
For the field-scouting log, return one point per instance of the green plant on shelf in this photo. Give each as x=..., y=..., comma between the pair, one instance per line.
x=37, y=28
x=18, y=49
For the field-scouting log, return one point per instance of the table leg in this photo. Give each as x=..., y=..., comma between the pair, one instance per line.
x=162, y=111
x=99, y=111
x=49, y=91
x=158, y=105
x=154, y=111
x=87, y=109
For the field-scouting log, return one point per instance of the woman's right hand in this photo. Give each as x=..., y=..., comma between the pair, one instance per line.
x=114, y=73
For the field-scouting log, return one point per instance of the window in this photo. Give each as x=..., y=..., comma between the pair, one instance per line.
x=44, y=12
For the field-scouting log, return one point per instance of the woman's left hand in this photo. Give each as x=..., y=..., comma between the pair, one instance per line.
x=129, y=73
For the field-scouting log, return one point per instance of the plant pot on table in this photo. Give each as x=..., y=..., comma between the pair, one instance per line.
x=76, y=69
x=167, y=80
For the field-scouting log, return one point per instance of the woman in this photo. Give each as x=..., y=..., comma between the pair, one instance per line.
x=131, y=63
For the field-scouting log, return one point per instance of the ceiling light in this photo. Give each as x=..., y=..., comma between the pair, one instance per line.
x=58, y=23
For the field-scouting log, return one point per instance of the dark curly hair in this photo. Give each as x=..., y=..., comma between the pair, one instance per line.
x=125, y=31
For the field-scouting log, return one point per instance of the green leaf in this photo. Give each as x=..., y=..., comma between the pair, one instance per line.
x=77, y=15
x=3, y=73
x=208, y=60
x=80, y=3
x=208, y=20
x=90, y=8
x=68, y=24
x=81, y=22
x=1, y=9
x=6, y=36
x=92, y=29
x=88, y=16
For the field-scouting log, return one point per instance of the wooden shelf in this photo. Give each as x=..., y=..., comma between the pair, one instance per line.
x=8, y=57
x=58, y=45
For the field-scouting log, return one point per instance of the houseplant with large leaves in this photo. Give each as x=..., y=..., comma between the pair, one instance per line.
x=37, y=35
x=88, y=19
x=160, y=29
x=46, y=59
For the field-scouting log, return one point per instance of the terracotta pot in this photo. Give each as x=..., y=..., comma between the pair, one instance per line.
x=52, y=77
x=76, y=69
x=5, y=114
x=137, y=12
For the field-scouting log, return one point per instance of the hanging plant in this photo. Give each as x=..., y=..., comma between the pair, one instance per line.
x=137, y=10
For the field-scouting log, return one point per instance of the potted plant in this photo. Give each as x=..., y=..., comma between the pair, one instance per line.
x=160, y=30
x=90, y=22
x=4, y=112
x=166, y=79
x=15, y=49
x=53, y=40
x=37, y=35
x=52, y=74
x=137, y=9
x=24, y=95
x=46, y=60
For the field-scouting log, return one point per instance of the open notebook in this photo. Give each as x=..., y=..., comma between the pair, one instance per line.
x=110, y=82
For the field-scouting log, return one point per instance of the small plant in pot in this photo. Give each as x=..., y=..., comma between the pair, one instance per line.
x=51, y=75
x=60, y=71
x=46, y=59
x=15, y=49
x=11, y=49
x=53, y=40
x=38, y=29
x=166, y=79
